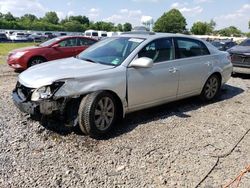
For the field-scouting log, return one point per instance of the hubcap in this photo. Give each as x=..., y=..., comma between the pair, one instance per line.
x=104, y=113
x=211, y=87
x=36, y=62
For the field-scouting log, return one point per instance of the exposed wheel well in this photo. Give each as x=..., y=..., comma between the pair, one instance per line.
x=35, y=57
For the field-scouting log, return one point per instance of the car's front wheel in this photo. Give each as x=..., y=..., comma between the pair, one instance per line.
x=211, y=88
x=36, y=61
x=97, y=113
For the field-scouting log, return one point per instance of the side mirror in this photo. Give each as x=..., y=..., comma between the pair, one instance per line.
x=56, y=46
x=143, y=62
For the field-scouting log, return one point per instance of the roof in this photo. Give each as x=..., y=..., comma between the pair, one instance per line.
x=152, y=35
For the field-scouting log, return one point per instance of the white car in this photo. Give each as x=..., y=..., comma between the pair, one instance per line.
x=122, y=74
x=18, y=36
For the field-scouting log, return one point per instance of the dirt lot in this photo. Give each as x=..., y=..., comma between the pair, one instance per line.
x=175, y=145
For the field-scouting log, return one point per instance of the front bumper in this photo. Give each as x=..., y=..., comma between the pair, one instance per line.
x=26, y=107
x=45, y=107
x=243, y=70
x=18, y=64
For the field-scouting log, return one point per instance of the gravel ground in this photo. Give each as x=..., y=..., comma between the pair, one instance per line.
x=174, y=145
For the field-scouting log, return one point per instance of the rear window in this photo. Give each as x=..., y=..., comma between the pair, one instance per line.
x=190, y=47
x=88, y=34
x=20, y=34
x=85, y=42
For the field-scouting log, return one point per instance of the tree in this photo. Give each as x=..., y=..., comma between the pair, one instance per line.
x=105, y=26
x=212, y=24
x=203, y=28
x=230, y=31
x=171, y=22
x=119, y=27
x=249, y=24
x=73, y=26
x=199, y=28
x=127, y=27
x=9, y=17
x=28, y=18
x=80, y=19
x=51, y=17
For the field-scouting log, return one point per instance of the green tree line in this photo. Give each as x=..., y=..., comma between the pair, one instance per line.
x=51, y=22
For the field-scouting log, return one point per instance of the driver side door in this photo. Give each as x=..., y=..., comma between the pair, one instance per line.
x=67, y=48
x=155, y=85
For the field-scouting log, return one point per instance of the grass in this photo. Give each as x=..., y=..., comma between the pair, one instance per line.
x=5, y=48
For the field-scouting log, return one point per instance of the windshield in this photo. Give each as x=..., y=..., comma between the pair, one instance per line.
x=49, y=42
x=245, y=43
x=217, y=44
x=111, y=51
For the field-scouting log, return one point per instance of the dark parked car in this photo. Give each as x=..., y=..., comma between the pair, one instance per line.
x=223, y=46
x=37, y=37
x=49, y=35
x=57, y=48
x=240, y=56
x=3, y=37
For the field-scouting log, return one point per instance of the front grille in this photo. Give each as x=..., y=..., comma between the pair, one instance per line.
x=23, y=92
x=240, y=59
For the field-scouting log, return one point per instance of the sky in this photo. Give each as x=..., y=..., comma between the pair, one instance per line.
x=224, y=12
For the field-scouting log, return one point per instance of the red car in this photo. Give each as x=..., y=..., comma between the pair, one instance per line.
x=56, y=48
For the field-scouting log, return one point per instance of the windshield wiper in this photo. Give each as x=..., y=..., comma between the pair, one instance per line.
x=87, y=59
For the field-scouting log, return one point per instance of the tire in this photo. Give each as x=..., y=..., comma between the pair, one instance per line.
x=211, y=88
x=97, y=113
x=36, y=61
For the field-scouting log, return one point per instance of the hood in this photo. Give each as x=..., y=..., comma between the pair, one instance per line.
x=49, y=72
x=239, y=49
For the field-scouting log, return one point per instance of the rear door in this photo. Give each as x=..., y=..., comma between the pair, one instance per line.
x=150, y=86
x=194, y=63
x=83, y=43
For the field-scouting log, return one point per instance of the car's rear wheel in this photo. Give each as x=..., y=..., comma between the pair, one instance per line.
x=211, y=88
x=36, y=61
x=97, y=113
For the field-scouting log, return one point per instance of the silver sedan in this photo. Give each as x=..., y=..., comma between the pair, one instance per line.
x=119, y=75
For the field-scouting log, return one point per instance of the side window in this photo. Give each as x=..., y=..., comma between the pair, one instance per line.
x=158, y=50
x=85, y=42
x=190, y=48
x=68, y=42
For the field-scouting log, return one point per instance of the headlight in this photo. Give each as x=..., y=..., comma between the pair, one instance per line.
x=18, y=54
x=45, y=92
x=41, y=93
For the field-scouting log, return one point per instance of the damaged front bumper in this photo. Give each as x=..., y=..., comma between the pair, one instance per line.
x=43, y=107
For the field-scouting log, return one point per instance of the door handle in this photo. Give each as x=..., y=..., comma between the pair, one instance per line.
x=208, y=64
x=172, y=70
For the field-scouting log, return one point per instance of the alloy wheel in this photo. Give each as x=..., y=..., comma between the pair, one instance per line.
x=104, y=113
x=211, y=87
x=36, y=62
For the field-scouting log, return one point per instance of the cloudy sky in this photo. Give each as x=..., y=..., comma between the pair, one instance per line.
x=224, y=12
